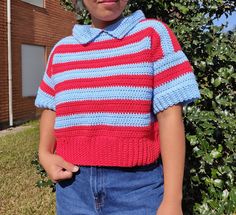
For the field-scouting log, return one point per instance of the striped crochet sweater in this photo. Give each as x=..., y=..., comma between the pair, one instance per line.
x=107, y=85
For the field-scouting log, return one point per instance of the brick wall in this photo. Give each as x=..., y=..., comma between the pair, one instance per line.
x=35, y=26
x=3, y=63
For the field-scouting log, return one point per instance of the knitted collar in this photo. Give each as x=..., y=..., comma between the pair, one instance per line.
x=85, y=33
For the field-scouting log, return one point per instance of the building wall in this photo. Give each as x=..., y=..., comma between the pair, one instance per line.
x=3, y=63
x=34, y=26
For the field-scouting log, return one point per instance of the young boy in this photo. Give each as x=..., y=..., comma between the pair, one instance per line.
x=113, y=94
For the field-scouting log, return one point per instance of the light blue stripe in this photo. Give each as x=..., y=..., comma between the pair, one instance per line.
x=44, y=100
x=104, y=36
x=48, y=81
x=67, y=41
x=139, y=27
x=112, y=119
x=142, y=26
x=103, y=93
x=187, y=79
x=103, y=53
x=169, y=61
x=44, y=95
x=130, y=69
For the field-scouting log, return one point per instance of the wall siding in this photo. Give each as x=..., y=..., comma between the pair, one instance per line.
x=30, y=25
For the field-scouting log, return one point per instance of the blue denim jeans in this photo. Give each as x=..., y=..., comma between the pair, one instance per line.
x=111, y=191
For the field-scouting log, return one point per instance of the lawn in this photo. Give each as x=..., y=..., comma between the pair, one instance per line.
x=18, y=192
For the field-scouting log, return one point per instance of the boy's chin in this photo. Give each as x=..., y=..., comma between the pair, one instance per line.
x=109, y=18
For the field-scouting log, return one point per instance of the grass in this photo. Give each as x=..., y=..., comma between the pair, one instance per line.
x=18, y=192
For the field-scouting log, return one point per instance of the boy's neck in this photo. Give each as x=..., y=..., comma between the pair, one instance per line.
x=96, y=23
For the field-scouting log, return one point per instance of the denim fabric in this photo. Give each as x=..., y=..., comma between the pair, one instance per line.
x=111, y=191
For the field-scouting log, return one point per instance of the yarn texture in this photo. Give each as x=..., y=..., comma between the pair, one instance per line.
x=107, y=85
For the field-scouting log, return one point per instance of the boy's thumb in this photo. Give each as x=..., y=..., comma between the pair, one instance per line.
x=75, y=169
x=70, y=167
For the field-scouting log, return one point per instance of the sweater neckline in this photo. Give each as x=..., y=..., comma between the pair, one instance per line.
x=86, y=33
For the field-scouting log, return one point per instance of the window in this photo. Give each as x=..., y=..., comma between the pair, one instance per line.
x=39, y=3
x=33, y=66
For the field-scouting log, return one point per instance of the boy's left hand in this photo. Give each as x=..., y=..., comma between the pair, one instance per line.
x=169, y=208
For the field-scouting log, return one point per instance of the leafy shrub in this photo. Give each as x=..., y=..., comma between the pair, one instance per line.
x=44, y=181
x=209, y=187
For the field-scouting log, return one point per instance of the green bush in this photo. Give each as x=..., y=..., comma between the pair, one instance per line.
x=44, y=181
x=209, y=187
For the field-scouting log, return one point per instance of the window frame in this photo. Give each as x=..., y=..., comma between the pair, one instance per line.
x=44, y=57
x=43, y=1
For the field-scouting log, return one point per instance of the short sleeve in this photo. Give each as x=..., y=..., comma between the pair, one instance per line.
x=174, y=80
x=45, y=97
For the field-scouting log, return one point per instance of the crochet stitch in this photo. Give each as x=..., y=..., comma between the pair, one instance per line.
x=107, y=85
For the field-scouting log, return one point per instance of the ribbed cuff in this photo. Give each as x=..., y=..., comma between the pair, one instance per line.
x=44, y=101
x=184, y=95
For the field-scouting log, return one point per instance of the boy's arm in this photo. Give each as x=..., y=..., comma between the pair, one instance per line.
x=55, y=166
x=172, y=140
x=47, y=138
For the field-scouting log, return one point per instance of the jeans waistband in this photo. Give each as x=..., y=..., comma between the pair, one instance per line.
x=147, y=167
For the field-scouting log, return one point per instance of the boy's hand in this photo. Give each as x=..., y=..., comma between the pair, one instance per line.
x=170, y=208
x=56, y=167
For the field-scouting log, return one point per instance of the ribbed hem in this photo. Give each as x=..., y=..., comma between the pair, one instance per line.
x=108, y=150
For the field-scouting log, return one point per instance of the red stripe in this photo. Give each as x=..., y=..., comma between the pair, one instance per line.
x=44, y=87
x=173, y=38
x=114, y=106
x=118, y=80
x=107, y=44
x=49, y=65
x=140, y=57
x=143, y=56
x=157, y=51
x=172, y=73
x=106, y=130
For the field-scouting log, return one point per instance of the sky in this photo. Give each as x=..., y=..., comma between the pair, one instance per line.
x=231, y=21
